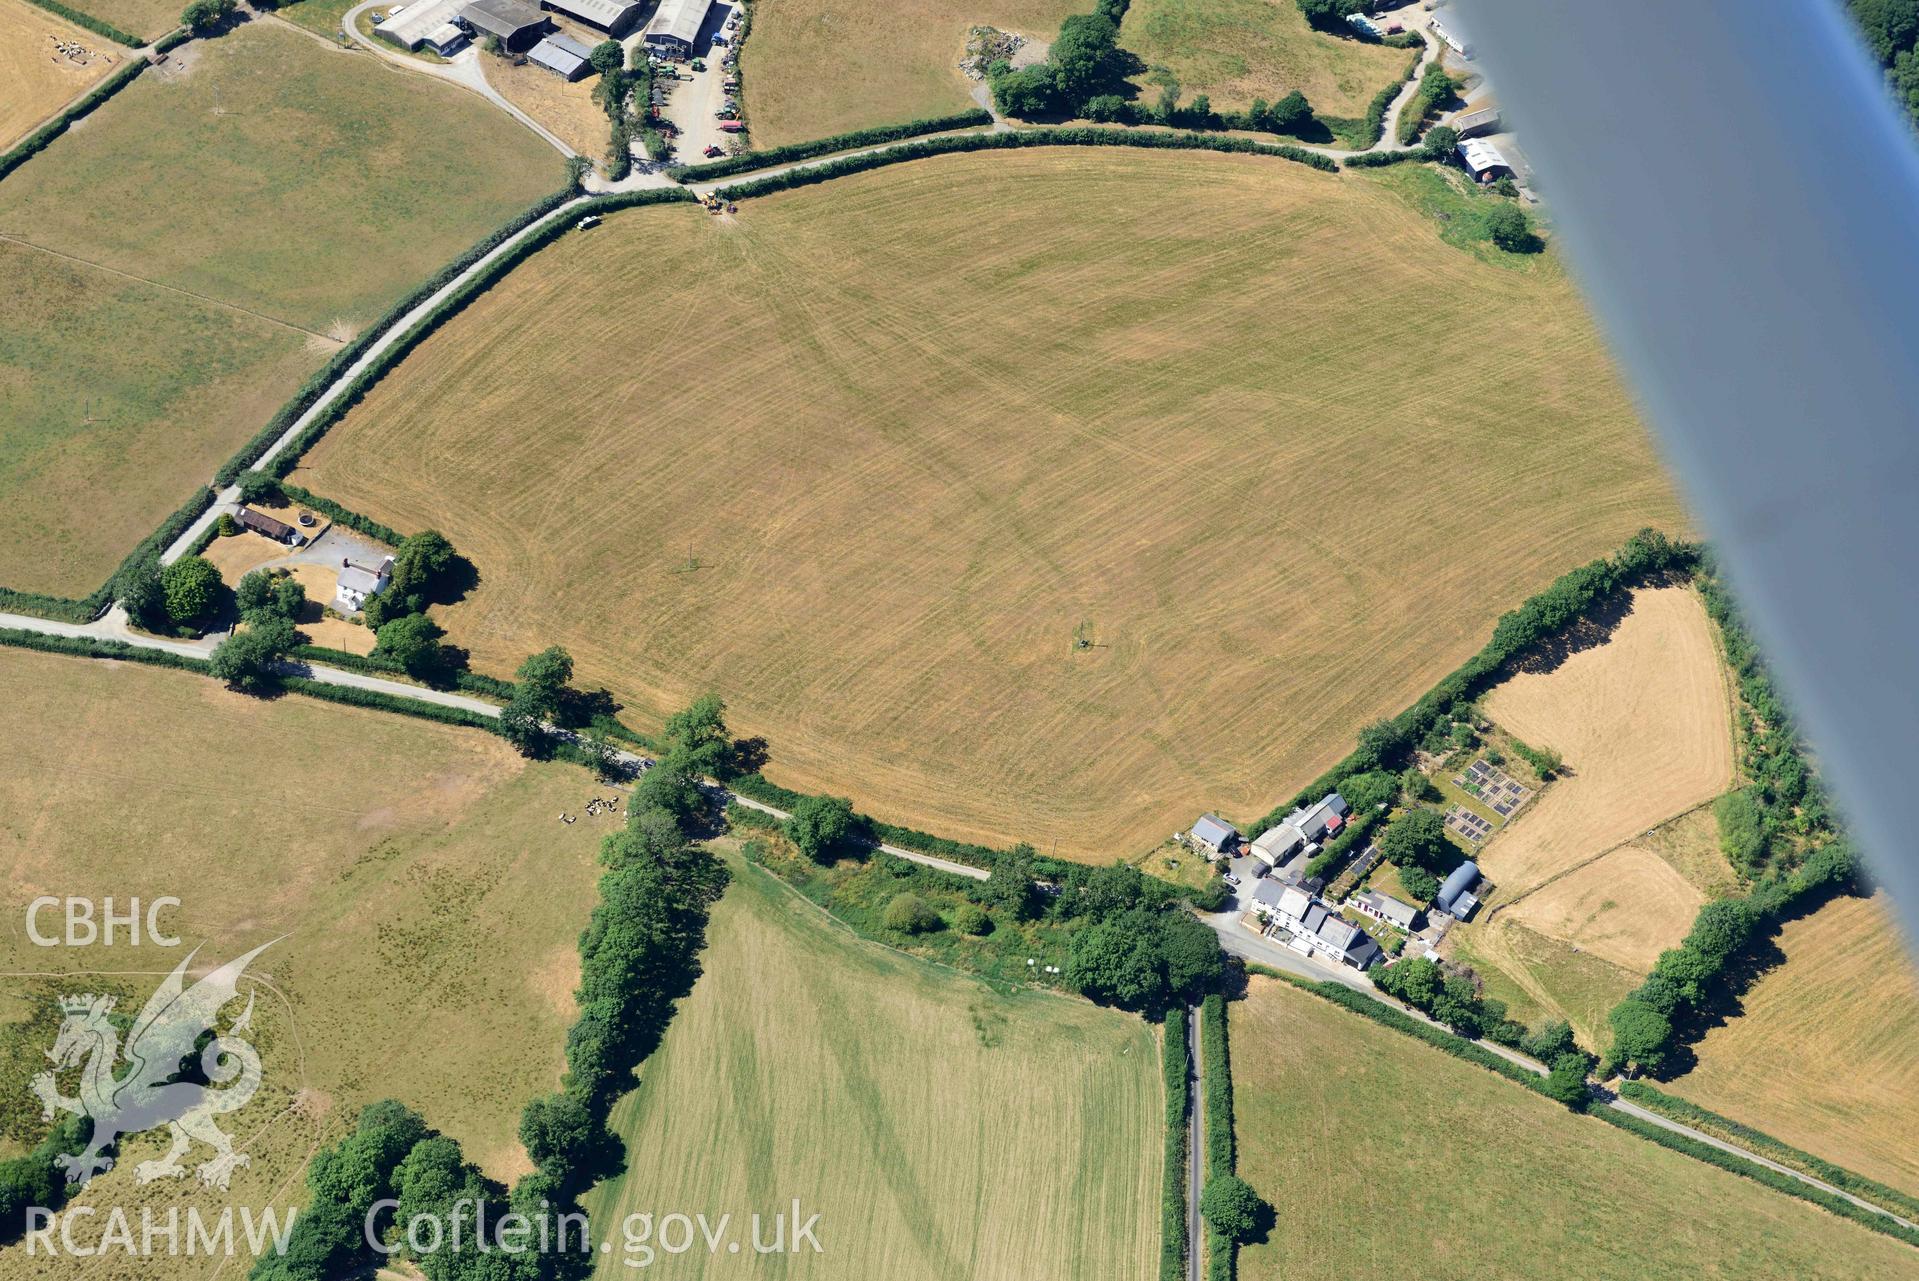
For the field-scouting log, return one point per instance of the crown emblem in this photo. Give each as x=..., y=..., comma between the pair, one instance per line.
x=83, y=1004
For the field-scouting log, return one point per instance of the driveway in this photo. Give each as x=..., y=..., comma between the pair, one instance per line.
x=693, y=105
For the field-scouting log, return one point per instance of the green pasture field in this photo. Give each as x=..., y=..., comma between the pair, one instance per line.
x=939, y=1129
x=876, y=452
x=1377, y=1151
x=424, y=897
x=210, y=236
x=1237, y=50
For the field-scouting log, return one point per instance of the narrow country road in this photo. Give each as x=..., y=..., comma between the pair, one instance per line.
x=1195, y=1135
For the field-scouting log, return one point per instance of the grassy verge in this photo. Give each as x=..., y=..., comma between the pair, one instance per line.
x=1177, y=1067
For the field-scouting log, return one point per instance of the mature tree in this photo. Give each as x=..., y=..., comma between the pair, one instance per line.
x=1457, y=1006
x=972, y=919
x=1081, y=56
x=1416, y=981
x=1111, y=890
x=1417, y=839
x=422, y=566
x=1028, y=93
x=543, y=679
x=254, y=594
x=1418, y=882
x=192, y=587
x=1230, y=1205
x=607, y=57
x=203, y=16
x=1510, y=229
x=1641, y=1034
x=1440, y=143
x=1108, y=108
x=820, y=826
x=141, y=594
x=1384, y=742
x=1116, y=962
x=668, y=787
x=701, y=744
x=1549, y=1041
x=523, y=723
x=1290, y=114
x=1722, y=928
x=908, y=913
x=413, y=641
x=565, y=1140
x=1567, y=1080
x=1009, y=885
x=1189, y=952
x=1742, y=829
x=247, y=659
x=259, y=487
x=1368, y=791
x=1330, y=15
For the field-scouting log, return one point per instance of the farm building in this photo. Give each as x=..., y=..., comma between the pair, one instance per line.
x=1454, y=895
x=357, y=582
x=1473, y=123
x=1484, y=161
x=1316, y=929
x=413, y=25
x=676, y=25
x=516, y=24
x=278, y=531
x=1384, y=907
x=1345, y=942
x=561, y=54
x=615, y=17
x=1215, y=833
x=1303, y=827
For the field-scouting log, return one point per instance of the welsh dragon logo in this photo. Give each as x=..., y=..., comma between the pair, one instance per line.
x=150, y=1093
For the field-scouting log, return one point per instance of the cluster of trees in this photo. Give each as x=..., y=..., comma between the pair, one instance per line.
x=639, y=956
x=1331, y=15
x=1085, y=63
x=270, y=602
x=32, y=1180
x=1650, y=1022
x=205, y=16
x=617, y=87
x=1436, y=87
x=182, y=596
x=1134, y=948
x=1891, y=28
x=1417, y=845
x=1452, y=998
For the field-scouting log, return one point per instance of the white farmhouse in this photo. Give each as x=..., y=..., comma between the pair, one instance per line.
x=357, y=582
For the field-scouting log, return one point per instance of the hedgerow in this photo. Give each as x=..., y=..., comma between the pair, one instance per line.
x=1375, y=123
x=89, y=647
x=1767, y=1146
x=1176, y=1069
x=380, y=700
x=1757, y=1173
x=1222, y=1252
x=747, y=161
x=37, y=141
x=1380, y=159
x=343, y=515
x=1068, y=137
x=1435, y=86
x=90, y=22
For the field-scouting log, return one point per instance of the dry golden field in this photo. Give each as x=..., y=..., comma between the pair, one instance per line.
x=39, y=78
x=1644, y=723
x=425, y=900
x=939, y=1129
x=813, y=68
x=1237, y=50
x=147, y=19
x=1826, y=1053
x=872, y=452
x=1377, y=1149
x=1625, y=907
x=567, y=109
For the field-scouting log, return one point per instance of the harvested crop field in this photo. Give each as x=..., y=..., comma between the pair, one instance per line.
x=41, y=76
x=1237, y=50
x=429, y=902
x=1512, y=1181
x=1542, y=978
x=1644, y=723
x=147, y=19
x=163, y=338
x=1626, y=907
x=813, y=68
x=889, y=443
x=1826, y=1052
x=939, y=1129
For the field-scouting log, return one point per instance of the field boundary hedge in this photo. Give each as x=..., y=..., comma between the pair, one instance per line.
x=1460, y=1048
x=1757, y=1173
x=37, y=141
x=1176, y=1068
x=91, y=23
x=1075, y=136
x=343, y=515
x=1766, y=1145
x=1222, y=1251
x=747, y=161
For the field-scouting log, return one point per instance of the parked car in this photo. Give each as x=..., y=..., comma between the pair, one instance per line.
x=731, y=126
x=718, y=38
x=712, y=151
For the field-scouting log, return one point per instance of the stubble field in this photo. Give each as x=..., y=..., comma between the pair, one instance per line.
x=425, y=900
x=147, y=19
x=939, y=1129
x=1377, y=1149
x=203, y=244
x=1237, y=50
x=874, y=452
x=39, y=79
x=1608, y=867
x=1825, y=1054
x=813, y=68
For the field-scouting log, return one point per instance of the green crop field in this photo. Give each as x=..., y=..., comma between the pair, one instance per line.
x=875, y=452
x=425, y=899
x=813, y=68
x=1378, y=1150
x=1237, y=50
x=939, y=1129
x=200, y=246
